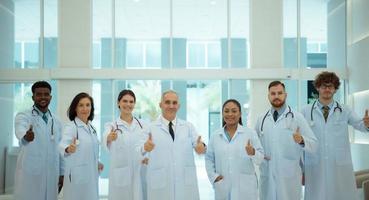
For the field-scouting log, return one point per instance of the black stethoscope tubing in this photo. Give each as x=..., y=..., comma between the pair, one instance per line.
x=89, y=124
x=266, y=114
x=52, y=118
x=120, y=130
x=334, y=110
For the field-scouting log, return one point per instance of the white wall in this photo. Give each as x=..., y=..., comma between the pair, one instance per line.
x=358, y=70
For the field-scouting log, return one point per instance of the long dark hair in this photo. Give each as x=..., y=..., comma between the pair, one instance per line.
x=237, y=104
x=72, y=113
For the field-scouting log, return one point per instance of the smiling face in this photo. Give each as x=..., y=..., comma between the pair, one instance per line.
x=277, y=96
x=169, y=105
x=83, y=109
x=126, y=104
x=231, y=114
x=41, y=98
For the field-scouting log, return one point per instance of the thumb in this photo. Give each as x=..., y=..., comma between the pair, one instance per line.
x=298, y=130
x=150, y=137
x=30, y=127
x=74, y=141
x=366, y=113
x=199, y=139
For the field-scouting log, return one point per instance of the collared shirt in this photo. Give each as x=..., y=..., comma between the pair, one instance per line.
x=166, y=122
x=39, y=112
x=280, y=111
x=227, y=135
x=320, y=105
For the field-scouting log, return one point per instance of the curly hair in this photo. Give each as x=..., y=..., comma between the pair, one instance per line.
x=326, y=77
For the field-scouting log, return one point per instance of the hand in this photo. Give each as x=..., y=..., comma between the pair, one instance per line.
x=100, y=167
x=366, y=118
x=145, y=161
x=297, y=136
x=200, y=146
x=220, y=177
x=112, y=136
x=250, y=149
x=60, y=183
x=30, y=135
x=72, y=147
x=149, y=144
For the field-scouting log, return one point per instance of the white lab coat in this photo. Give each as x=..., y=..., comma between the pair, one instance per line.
x=329, y=172
x=171, y=172
x=125, y=181
x=39, y=163
x=81, y=167
x=280, y=177
x=230, y=159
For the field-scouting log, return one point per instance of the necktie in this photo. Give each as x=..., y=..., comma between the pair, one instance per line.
x=275, y=115
x=44, y=117
x=325, y=112
x=171, y=130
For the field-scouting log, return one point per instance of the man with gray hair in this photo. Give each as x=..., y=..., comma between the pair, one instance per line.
x=171, y=170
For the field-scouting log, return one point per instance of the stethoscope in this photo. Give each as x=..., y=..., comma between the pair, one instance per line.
x=77, y=136
x=52, y=120
x=117, y=129
x=289, y=115
x=337, y=107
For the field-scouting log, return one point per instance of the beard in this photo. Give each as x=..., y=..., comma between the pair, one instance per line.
x=277, y=103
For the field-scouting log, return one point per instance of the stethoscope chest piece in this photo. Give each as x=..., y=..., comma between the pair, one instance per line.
x=77, y=142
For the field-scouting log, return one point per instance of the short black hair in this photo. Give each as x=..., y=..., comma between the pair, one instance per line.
x=275, y=83
x=125, y=92
x=72, y=113
x=239, y=108
x=40, y=84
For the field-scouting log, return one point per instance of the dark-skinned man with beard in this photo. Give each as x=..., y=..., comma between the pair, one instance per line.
x=284, y=135
x=39, y=171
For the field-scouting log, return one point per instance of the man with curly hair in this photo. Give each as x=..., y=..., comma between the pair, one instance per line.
x=329, y=172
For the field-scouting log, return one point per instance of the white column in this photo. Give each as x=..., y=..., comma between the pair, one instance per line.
x=74, y=48
x=266, y=36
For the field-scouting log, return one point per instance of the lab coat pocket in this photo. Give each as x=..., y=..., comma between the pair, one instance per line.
x=289, y=168
x=158, y=178
x=121, y=176
x=248, y=186
x=220, y=190
x=32, y=164
x=290, y=149
x=190, y=175
x=80, y=174
x=343, y=156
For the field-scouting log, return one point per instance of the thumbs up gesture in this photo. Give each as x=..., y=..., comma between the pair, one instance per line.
x=249, y=148
x=112, y=136
x=149, y=144
x=30, y=135
x=200, y=146
x=72, y=147
x=366, y=118
x=297, y=136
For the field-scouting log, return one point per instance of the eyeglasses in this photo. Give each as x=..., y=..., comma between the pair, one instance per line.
x=327, y=86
